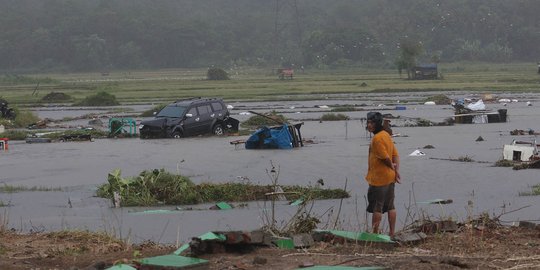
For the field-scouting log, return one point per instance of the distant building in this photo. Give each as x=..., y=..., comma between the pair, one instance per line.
x=425, y=72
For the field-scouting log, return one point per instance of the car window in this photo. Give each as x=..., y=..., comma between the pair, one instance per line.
x=217, y=106
x=171, y=111
x=193, y=111
x=204, y=109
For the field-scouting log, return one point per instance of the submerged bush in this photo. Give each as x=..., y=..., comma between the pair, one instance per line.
x=535, y=191
x=334, y=117
x=56, y=97
x=504, y=163
x=100, y=99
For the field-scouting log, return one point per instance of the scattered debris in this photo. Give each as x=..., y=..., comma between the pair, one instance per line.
x=476, y=113
x=429, y=146
x=123, y=127
x=417, y=153
x=523, y=132
x=479, y=139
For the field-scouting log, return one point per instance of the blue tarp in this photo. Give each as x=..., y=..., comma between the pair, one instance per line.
x=270, y=138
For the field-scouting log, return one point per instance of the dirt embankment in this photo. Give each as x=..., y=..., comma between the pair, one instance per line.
x=469, y=248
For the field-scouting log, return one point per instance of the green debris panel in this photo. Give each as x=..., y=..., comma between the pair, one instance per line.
x=174, y=261
x=284, y=243
x=323, y=267
x=361, y=236
x=121, y=267
x=297, y=202
x=183, y=248
x=212, y=236
x=223, y=206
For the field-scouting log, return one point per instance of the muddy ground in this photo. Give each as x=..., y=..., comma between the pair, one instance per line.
x=500, y=248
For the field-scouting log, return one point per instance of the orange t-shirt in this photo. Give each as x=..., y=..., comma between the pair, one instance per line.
x=381, y=147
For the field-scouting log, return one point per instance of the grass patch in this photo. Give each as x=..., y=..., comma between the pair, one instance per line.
x=100, y=99
x=535, y=191
x=254, y=83
x=343, y=109
x=160, y=187
x=14, y=189
x=3, y=204
x=20, y=79
x=15, y=135
x=334, y=117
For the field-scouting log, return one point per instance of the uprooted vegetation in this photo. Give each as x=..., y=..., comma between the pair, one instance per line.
x=273, y=118
x=155, y=187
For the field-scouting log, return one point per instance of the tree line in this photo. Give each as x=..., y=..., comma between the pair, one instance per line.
x=98, y=35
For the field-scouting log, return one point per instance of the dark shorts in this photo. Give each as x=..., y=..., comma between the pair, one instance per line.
x=380, y=199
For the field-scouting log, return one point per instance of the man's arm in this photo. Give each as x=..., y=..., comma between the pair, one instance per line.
x=395, y=161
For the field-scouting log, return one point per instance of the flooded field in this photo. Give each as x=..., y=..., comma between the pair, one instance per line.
x=337, y=155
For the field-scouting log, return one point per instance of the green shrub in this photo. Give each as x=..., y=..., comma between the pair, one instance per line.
x=24, y=119
x=217, y=74
x=334, y=117
x=100, y=99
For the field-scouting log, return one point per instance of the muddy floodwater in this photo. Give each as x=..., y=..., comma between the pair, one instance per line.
x=337, y=154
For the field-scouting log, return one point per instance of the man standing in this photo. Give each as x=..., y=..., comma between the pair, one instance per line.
x=383, y=173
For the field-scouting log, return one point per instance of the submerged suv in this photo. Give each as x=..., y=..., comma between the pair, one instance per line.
x=189, y=117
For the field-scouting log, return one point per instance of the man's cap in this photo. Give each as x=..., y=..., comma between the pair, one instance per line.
x=375, y=117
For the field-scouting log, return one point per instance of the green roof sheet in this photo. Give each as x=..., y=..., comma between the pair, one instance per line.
x=172, y=261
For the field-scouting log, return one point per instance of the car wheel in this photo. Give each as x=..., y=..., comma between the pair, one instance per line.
x=218, y=130
x=176, y=135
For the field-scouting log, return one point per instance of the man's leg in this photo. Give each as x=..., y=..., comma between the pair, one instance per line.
x=392, y=221
x=376, y=221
